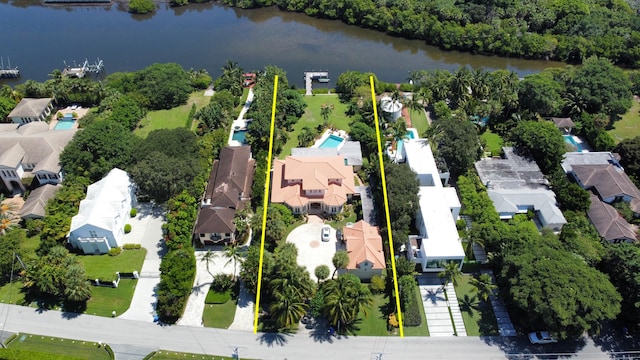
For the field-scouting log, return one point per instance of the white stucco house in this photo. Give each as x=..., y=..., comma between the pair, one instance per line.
x=99, y=225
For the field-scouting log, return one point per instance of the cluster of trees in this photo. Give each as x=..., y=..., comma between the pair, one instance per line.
x=141, y=6
x=544, y=278
x=568, y=31
x=8, y=100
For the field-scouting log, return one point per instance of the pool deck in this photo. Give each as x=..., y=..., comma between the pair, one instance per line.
x=326, y=134
x=241, y=123
x=79, y=111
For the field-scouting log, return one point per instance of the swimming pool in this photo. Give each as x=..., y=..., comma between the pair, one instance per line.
x=64, y=125
x=240, y=136
x=331, y=142
x=571, y=141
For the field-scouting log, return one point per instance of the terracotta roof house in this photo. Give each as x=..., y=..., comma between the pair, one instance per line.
x=30, y=110
x=31, y=150
x=565, y=124
x=611, y=226
x=364, y=246
x=609, y=182
x=228, y=190
x=312, y=184
x=34, y=206
x=99, y=225
x=437, y=242
x=516, y=185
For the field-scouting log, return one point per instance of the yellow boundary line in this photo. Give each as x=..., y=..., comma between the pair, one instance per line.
x=386, y=207
x=265, y=203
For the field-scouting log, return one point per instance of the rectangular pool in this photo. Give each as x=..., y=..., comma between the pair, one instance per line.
x=331, y=142
x=240, y=136
x=64, y=125
x=571, y=141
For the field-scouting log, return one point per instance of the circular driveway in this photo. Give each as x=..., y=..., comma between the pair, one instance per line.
x=312, y=251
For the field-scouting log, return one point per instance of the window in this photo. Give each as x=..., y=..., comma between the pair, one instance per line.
x=93, y=234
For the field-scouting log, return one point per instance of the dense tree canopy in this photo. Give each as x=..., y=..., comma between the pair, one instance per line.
x=622, y=264
x=543, y=141
x=456, y=141
x=629, y=150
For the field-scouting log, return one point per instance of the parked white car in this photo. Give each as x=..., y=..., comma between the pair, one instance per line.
x=541, y=337
x=326, y=232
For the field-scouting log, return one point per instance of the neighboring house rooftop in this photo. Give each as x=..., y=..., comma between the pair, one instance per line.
x=513, y=201
x=513, y=171
x=608, y=180
x=35, y=205
x=30, y=108
x=215, y=220
x=562, y=123
x=589, y=158
x=606, y=219
x=363, y=244
x=296, y=175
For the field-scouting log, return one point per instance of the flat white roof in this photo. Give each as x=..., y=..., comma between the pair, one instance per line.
x=442, y=236
x=420, y=159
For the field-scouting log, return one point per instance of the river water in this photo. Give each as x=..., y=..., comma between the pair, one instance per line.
x=39, y=39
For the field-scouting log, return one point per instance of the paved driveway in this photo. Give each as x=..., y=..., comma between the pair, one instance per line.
x=312, y=251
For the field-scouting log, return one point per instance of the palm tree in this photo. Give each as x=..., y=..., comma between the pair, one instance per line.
x=460, y=84
x=473, y=240
x=77, y=287
x=306, y=136
x=450, y=273
x=398, y=130
x=344, y=299
x=325, y=112
x=207, y=258
x=8, y=215
x=483, y=286
x=232, y=251
x=287, y=309
x=340, y=261
x=321, y=272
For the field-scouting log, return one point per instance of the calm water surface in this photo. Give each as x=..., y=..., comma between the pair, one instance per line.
x=39, y=39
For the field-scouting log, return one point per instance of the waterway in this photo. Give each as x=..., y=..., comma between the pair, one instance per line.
x=40, y=38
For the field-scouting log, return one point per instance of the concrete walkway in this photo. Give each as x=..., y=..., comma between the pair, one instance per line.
x=505, y=327
x=245, y=311
x=436, y=308
x=146, y=230
x=368, y=210
x=220, y=264
x=240, y=123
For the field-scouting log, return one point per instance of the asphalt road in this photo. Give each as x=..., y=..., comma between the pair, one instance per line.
x=132, y=339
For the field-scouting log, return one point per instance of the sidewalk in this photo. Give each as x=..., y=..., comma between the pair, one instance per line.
x=505, y=327
x=244, y=311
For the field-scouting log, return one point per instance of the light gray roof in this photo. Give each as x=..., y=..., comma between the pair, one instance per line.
x=588, y=158
x=608, y=221
x=511, y=172
x=34, y=206
x=563, y=122
x=29, y=108
x=40, y=146
x=314, y=152
x=352, y=152
x=542, y=200
x=12, y=156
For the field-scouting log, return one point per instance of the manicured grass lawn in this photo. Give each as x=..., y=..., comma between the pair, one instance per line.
x=419, y=121
x=104, y=300
x=172, y=118
x=311, y=118
x=219, y=315
x=172, y=355
x=76, y=349
x=629, y=126
x=12, y=293
x=477, y=314
x=376, y=323
x=423, y=329
x=494, y=142
x=105, y=266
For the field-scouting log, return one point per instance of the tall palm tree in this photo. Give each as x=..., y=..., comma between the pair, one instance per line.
x=344, y=299
x=340, y=261
x=306, y=136
x=460, y=84
x=483, y=286
x=207, y=258
x=473, y=240
x=232, y=251
x=451, y=273
x=288, y=309
x=325, y=112
x=77, y=287
x=9, y=217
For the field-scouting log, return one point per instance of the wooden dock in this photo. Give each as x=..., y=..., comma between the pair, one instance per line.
x=309, y=76
x=8, y=72
x=86, y=68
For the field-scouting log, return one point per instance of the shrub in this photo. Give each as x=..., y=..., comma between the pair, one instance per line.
x=461, y=224
x=131, y=246
x=222, y=282
x=127, y=228
x=141, y=6
x=115, y=251
x=133, y=212
x=377, y=284
x=393, y=321
x=59, y=115
x=74, y=115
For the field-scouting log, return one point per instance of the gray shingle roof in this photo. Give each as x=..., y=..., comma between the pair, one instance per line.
x=34, y=206
x=608, y=222
x=30, y=108
x=608, y=180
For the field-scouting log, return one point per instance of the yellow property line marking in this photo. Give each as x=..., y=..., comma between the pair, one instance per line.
x=265, y=202
x=386, y=207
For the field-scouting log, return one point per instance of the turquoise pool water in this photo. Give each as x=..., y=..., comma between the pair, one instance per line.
x=410, y=135
x=64, y=125
x=240, y=136
x=331, y=142
x=571, y=141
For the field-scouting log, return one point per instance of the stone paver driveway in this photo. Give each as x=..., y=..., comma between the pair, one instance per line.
x=312, y=251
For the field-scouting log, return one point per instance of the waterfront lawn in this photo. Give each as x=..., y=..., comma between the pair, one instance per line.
x=105, y=266
x=419, y=121
x=375, y=324
x=172, y=118
x=478, y=316
x=172, y=355
x=219, y=315
x=494, y=142
x=105, y=299
x=629, y=126
x=311, y=118
x=423, y=329
x=68, y=349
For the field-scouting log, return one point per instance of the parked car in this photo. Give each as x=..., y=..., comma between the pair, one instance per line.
x=339, y=235
x=326, y=232
x=541, y=337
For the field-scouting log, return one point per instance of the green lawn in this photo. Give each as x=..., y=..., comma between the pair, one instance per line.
x=629, y=126
x=311, y=118
x=105, y=266
x=104, y=300
x=478, y=316
x=12, y=293
x=31, y=244
x=375, y=324
x=172, y=118
x=219, y=315
x=494, y=142
x=352, y=217
x=419, y=121
x=423, y=329
x=172, y=355
x=76, y=349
